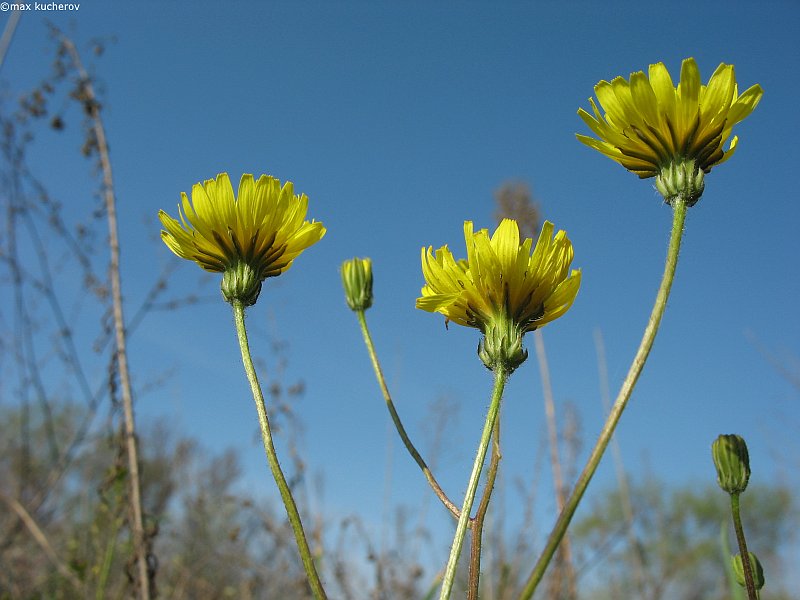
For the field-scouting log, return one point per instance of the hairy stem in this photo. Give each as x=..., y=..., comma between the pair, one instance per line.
x=480, y=516
x=437, y=489
x=272, y=456
x=560, y=528
x=500, y=378
x=752, y=594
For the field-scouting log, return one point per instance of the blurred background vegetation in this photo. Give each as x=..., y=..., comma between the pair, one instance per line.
x=66, y=525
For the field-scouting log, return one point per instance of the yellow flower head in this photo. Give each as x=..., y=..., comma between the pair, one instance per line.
x=650, y=126
x=502, y=288
x=248, y=238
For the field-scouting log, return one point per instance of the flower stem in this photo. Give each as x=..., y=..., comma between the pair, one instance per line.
x=362, y=320
x=560, y=528
x=500, y=378
x=272, y=456
x=746, y=566
x=480, y=516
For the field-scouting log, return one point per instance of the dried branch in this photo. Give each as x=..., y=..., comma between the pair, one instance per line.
x=92, y=109
x=41, y=539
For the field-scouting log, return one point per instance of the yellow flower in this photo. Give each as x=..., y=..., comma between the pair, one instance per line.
x=502, y=288
x=651, y=126
x=247, y=239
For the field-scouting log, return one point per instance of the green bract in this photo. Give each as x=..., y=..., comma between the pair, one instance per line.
x=755, y=567
x=732, y=462
x=357, y=282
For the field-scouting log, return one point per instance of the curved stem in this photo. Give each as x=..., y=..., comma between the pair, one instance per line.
x=500, y=378
x=746, y=566
x=560, y=528
x=362, y=320
x=272, y=456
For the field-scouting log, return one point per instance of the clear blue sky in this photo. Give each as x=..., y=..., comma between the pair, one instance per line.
x=399, y=120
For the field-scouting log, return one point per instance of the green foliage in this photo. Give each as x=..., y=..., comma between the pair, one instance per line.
x=213, y=541
x=671, y=550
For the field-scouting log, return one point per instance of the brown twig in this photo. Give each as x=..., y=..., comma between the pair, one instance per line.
x=92, y=108
x=41, y=539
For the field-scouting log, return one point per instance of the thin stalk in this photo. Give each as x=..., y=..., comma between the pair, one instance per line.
x=555, y=459
x=272, y=456
x=108, y=561
x=362, y=321
x=560, y=528
x=752, y=594
x=8, y=34
x=500, y=378
x=622, y=479
x=137, y=526
x=734, y=590
x=480, y=516
x=40, y=538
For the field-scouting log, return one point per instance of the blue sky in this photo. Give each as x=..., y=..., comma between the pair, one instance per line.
x=399, y=120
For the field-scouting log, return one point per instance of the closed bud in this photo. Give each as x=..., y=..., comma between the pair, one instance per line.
x=755, y=568
x=732, y=462
x=357, y=282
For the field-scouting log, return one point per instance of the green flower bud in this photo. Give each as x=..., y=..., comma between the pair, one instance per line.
x=240, y=282
x=732, y=462
x=501, y=345
x=755, y=568
x=357, y=282
x=681, y=180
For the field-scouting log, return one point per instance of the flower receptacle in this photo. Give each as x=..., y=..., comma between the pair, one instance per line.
x=681, y=180
x=501, y=346
x=240, y=282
